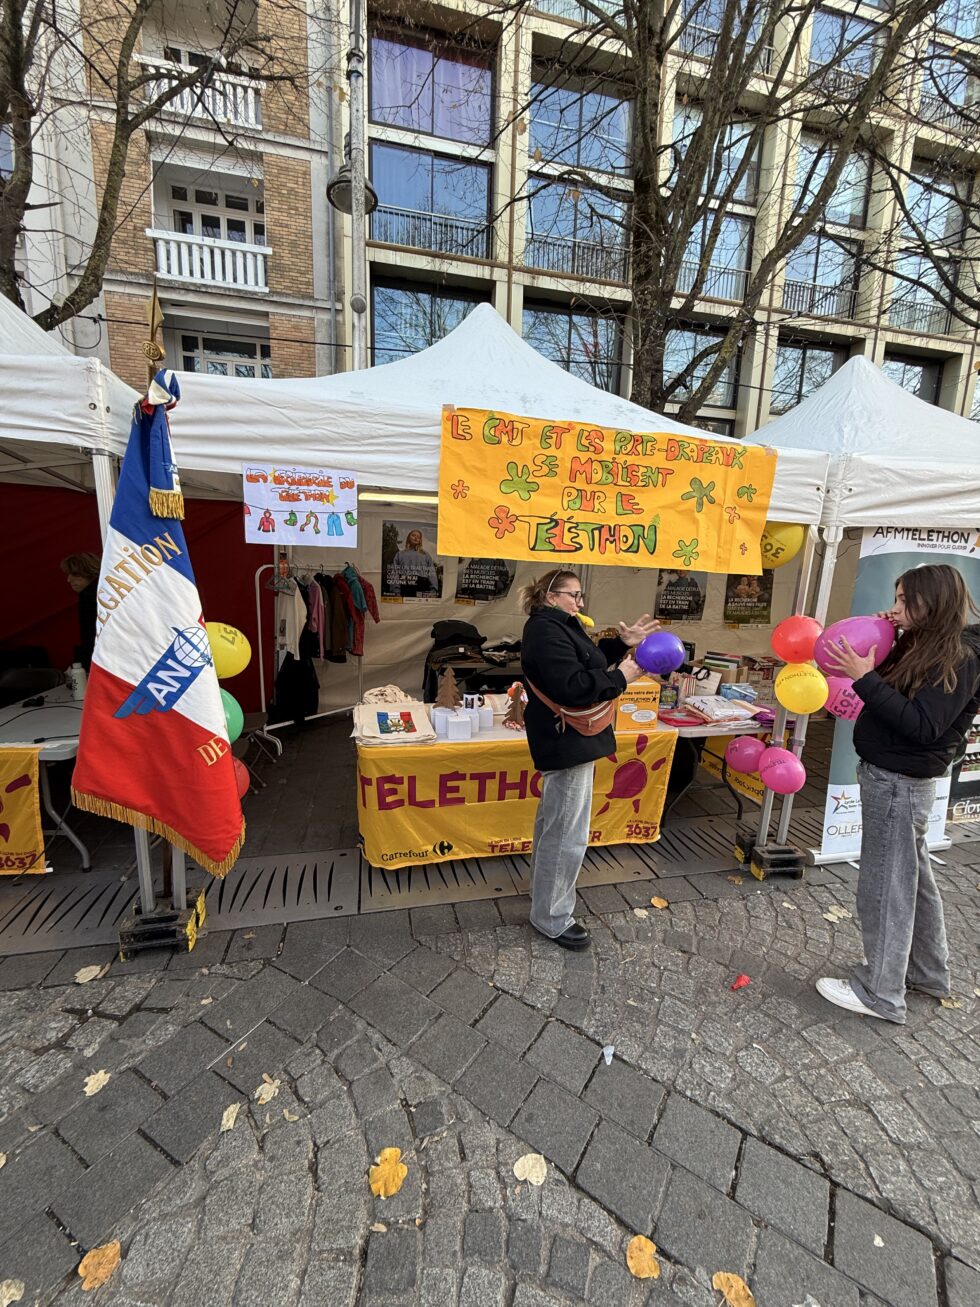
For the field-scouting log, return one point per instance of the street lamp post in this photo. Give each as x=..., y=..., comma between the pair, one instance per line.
x=350, y=192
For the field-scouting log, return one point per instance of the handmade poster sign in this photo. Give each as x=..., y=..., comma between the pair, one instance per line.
x=299, y=506
x=565, y=493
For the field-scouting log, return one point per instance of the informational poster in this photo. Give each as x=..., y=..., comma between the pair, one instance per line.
x=481, y=579
x=312, y=506
x=479, y=797
x=964, y=787
x=887, y=552
x=21, y=837
x=559, y=492
x=409, y=571
x=748, y=600
x=680, y=596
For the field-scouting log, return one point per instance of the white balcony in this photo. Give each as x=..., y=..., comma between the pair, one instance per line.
x=227, y=100
x=939, y=112
x=820, y=300
x=226, y=265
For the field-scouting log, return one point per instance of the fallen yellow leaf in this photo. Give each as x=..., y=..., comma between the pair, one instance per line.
x=11, y=1291
x=976, y=990
x=736, y=1292
x=86, y=974
x=736, y=880
x=660, y=903
x=531, y=1167
x=267, y=1090
x=96, y=1082
x=641, y=1258
x=640, y=912
x=3, y=1160
x=290, y=1116
x=97, y=1266
x=379, y=1228
x=206, y=1001
x=229, y=1116
x=951, y=1002
x=389, y=1175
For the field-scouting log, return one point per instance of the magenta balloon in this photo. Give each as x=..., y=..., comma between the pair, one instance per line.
x=781, y=771
x=743, y=753
x=660, y=652
x=843, y=700
x=861, y=633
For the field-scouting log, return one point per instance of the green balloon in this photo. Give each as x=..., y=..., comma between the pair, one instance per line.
x=234, y=718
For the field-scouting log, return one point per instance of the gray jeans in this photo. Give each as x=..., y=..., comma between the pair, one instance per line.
x=898, y=902
x=561, y=836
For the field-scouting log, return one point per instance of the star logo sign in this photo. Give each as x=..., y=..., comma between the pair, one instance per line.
x=839, y=800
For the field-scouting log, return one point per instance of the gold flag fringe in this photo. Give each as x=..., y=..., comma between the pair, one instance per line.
x=116, y=811
x=167, y=503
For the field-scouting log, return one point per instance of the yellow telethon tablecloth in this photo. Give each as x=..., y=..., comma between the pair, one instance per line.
x=477, y=798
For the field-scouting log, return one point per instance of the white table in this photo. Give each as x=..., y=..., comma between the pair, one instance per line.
x=51, y=722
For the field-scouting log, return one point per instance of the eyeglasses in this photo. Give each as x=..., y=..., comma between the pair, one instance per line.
x=577, y=595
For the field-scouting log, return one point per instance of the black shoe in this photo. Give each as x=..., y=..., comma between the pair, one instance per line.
x=575, y=937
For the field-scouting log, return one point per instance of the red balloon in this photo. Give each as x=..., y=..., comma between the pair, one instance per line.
x=242, y=778
x=794, y=638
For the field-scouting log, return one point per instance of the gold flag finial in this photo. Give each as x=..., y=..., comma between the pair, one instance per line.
x=152, y=349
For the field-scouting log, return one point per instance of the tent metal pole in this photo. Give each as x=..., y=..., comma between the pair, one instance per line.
x=179, y=879
x=779, y=725
x=144, y=867
x=821, y=602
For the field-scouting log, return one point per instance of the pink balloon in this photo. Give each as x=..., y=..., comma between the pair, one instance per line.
x=843, y=701
x=781, y=771
x=861, y=633
x=743, y=753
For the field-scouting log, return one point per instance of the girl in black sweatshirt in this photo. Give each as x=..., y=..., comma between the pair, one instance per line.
x=918, y=706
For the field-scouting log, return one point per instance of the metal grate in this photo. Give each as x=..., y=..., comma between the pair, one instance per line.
x=40, y=913
x=284, y=888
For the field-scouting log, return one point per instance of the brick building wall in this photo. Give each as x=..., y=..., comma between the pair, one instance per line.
x=285, y=105
x=132, y=249
x=127, y=330
x=293, y=350
x=289, y=225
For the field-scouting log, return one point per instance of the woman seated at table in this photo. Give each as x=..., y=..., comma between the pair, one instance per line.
x=82, y=573
x=561, y=664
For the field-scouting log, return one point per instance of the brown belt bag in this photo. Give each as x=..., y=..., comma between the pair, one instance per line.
x=587, y=721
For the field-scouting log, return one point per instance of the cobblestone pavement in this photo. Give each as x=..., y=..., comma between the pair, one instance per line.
x=828, y=1160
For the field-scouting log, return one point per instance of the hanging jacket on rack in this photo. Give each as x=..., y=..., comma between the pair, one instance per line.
x=362, y=600
x=291, y=614
x=314, y=598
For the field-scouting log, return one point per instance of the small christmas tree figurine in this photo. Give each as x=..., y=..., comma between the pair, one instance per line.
x=448, y=693
x=514, y=716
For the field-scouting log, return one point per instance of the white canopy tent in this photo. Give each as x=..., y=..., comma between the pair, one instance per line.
x=895, y=460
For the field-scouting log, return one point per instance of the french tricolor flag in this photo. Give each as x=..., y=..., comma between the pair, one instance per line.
x=154, y=748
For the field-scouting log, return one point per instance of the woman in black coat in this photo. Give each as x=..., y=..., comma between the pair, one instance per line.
x=559, y=660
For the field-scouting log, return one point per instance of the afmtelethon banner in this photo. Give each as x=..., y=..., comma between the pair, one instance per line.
x=479, y=798
x=887, y=552
x=567, y=494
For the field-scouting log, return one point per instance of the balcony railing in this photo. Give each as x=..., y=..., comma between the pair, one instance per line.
x=943, y=113
x=926, y=316
x=845, y=82
x=580, y=258
x=229, y=264
x=719, y=283
x=822, y=301
x=227, y=99
x=703, y=41
x=574, y=12
x=430, y=231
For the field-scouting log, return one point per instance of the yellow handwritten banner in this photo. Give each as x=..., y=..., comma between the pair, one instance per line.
x=21, y=837
x=567, y=494
x=435, y=802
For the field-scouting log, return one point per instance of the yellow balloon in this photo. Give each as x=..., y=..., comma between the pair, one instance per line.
x=229, y=648
x=781, y=542
x=801, y=688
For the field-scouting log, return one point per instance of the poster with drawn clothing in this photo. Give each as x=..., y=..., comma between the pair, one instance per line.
x=314, y=506
x=409, y=572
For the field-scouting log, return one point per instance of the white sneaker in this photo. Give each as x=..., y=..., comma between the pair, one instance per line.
x=840, y=993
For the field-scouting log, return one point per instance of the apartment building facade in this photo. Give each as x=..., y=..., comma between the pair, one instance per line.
x=470, y=138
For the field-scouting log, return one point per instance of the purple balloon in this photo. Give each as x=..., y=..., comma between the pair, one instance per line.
x=861, y=633
x=843, y=700
x=660, y=652
x=743, y=753
x=781, y=771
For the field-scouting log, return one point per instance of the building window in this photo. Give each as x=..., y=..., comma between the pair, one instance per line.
x=945, y=88
x=914, y=375
x=430, y=202
x=800, y=370
x=959, y=18
x=576, y=230
x=577, y=125
x=936, y=204
x=727, y=272
x=919, y=297
x=408, y=317
x=681, y=348
x=843, y=50
x=821, y=277
x=848, y=204
x=729, y=154
x=221, y=356
x=585, y=342
x=6, y=152
x=426, y=86
x=717, y=426
x=218, y=215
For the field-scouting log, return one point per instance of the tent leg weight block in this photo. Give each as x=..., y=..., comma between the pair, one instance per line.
x=744, y=845
x=777, y=859
x=164, y=928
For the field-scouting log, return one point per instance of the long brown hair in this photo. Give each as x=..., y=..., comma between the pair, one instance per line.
x=932, y=649
x=536, y=594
